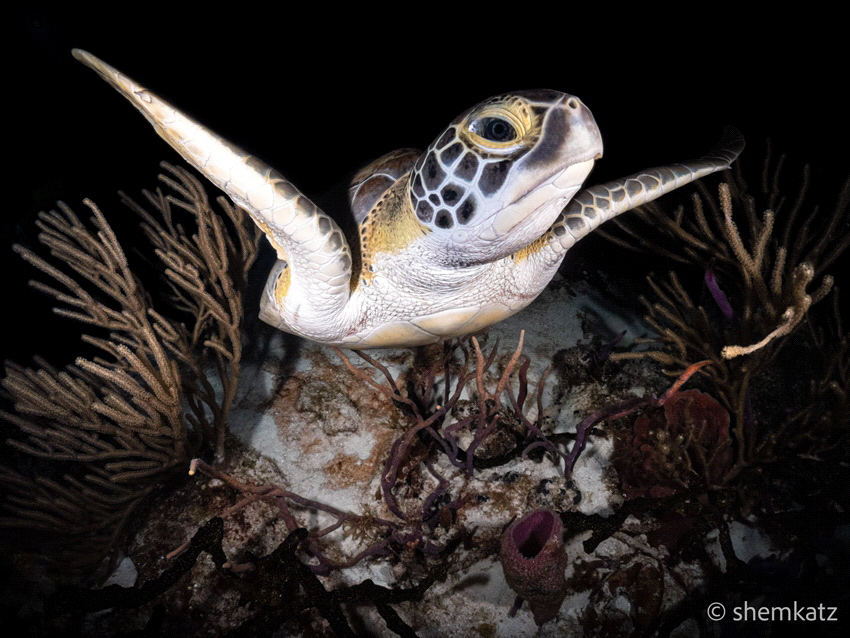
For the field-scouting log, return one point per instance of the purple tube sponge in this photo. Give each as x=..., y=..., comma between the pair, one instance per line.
x=534, y=560
x=720, y=297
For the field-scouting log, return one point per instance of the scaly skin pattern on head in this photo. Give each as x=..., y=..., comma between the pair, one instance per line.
x=451, y=240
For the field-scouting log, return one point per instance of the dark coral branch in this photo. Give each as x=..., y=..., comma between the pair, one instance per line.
x=283, y=498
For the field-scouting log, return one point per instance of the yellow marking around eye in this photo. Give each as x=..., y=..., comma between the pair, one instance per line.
x=516, y=111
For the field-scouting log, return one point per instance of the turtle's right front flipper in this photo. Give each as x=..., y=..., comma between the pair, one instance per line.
x=313, y=279
x=595, y=205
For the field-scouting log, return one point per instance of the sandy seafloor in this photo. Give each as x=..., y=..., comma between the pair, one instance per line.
x=324, y=435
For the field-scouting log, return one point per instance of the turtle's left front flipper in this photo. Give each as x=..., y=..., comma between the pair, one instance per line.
x=315, y=259
x=593, y=206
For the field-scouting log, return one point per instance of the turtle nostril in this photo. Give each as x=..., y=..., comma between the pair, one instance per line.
x=573, y=103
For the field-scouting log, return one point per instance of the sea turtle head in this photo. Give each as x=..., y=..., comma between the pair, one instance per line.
x=497, y=177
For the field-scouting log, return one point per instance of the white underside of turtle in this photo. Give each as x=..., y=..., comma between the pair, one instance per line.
x=451, y=240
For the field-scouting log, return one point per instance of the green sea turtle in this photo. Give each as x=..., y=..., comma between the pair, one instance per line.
x=450, y=240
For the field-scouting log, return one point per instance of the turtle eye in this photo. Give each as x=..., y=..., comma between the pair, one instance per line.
x=495, y=129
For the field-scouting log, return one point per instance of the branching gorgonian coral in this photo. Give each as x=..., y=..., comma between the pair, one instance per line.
x=763, y=273
x=207, y=272
x=114, y=427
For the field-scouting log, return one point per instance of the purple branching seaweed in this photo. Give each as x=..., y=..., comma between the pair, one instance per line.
x=429, y=416
x=442, y=486
x=412, y=528
x=422, y=404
